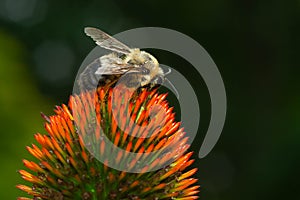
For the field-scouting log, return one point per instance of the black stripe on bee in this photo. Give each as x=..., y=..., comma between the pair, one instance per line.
x=88, y=80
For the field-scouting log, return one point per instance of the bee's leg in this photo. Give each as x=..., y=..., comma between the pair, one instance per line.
x=107, y=81
x=102, y=80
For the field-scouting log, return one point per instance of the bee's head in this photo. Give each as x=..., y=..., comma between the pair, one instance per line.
x=148, y=65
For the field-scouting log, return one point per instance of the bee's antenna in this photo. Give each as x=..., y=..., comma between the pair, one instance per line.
x=172, y=86
x=168, y=72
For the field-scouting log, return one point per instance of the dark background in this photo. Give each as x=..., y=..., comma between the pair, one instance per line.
x=255, y=45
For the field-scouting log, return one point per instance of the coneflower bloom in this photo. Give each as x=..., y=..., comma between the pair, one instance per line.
x=68, y=166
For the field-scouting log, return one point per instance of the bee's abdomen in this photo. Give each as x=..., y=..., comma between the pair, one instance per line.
x=88, y=80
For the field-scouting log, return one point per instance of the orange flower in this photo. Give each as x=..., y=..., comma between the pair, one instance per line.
x=68, y=168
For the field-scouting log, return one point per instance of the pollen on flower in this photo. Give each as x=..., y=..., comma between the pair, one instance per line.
x=66, y=169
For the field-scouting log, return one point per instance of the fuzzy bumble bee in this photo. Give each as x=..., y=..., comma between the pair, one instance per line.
x=137, y=68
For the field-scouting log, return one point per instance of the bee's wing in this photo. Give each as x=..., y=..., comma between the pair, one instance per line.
x=115, y=68
x=106, y=41
x=110, y=64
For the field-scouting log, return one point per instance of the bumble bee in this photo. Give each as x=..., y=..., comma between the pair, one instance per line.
x=136, y=68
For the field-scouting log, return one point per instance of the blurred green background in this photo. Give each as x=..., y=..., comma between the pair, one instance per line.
x=254, y=43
